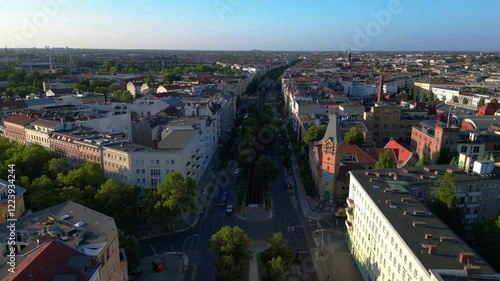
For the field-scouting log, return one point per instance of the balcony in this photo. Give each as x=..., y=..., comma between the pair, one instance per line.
x=350, y=203
x=350, y=213
x=474, y=193
x=471, y=216
x=348, y=224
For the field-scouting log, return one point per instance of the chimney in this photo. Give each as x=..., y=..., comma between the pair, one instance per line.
x=155, y=144
x=380, y=88
x=467, y=257
x=433, y=250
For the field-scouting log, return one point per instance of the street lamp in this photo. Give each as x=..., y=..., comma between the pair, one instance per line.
x=318, y=225
x=194, y=235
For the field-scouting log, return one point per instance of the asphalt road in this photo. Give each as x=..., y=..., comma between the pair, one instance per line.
x=284, y=218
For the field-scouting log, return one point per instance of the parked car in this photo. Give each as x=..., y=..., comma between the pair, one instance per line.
x=223, y=200
x=229, y=209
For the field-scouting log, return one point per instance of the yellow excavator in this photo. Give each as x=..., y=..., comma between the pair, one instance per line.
x=341, y=213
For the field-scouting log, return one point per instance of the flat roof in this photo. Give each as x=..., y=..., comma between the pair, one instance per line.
x=177, y=139
x=383, y=189
x=98, y=227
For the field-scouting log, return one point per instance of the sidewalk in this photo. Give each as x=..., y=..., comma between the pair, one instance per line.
x=256, y=248
x=302, y=197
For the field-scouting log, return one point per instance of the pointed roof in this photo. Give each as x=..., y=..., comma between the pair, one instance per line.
x=333, y=130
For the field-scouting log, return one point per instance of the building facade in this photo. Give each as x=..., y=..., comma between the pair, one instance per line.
x=392, y=236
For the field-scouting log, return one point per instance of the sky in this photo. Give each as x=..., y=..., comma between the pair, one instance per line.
x=274, y=25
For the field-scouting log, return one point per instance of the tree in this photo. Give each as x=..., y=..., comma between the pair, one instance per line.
x=431, y=96
x=177, y=195
x=354, y=136
x=493, y=100
x=455, y=99
x=265, y=169
x=56, y=166
x=246, y=158
x=278, y=270
x=132, y=250
x=465, y=101
x=454, y=161
x=231, y=248
x=122, y=96
x=422, y=162
x=445, y=203
x=117, y=201
x=385, y=160
x=88, y=174
x=487, y=244
x=481, y=102
x=446, y=191
x=314, y=133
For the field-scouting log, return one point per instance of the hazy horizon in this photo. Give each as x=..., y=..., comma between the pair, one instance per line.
x=237, y=25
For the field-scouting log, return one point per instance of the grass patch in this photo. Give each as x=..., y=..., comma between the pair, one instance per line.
x=267, y=199
x=239, y=198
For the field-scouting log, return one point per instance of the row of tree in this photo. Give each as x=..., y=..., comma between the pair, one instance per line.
x=49, y=181
x=22, y=83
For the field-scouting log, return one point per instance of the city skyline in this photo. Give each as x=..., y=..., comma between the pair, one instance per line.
x=392, y=25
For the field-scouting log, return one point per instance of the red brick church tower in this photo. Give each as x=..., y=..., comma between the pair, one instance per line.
x=330, y=155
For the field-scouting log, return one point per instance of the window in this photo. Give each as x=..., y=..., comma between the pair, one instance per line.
x=155, y=172
x=143, y=171
x=138, y=180
x=143, y=180
x=172, y=162
x=463, y=149
x=138, y=171
x=154, y=182
x=476, y=149
x=157, y=162
x=376, y=126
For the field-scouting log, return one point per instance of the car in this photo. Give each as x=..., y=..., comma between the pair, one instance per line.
x=223, y=199
x=236, y=171
x=229, y=209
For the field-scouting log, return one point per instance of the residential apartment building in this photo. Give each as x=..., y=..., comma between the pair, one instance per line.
x=88, y=231
x=387, y=121
x=54, y=260
x=430, y=137
x=38, y=131
x=14, y=126
x=392, y=236
x=8, y=210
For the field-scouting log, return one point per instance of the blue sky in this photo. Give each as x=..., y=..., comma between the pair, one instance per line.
x=314, y=25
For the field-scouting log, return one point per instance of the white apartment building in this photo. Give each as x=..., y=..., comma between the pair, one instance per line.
x=443, y=94
x=392, y=236
x=143, y=166
x=477, y=98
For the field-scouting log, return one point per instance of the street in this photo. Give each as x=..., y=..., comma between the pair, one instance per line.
x=285, y=219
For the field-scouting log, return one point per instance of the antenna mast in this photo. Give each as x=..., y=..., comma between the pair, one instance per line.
x=51, y=62
x=71, y=61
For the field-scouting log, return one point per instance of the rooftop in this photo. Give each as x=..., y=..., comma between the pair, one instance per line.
x=177, y=139
x=394, y=198
x=53, y=261
x=71, y=222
